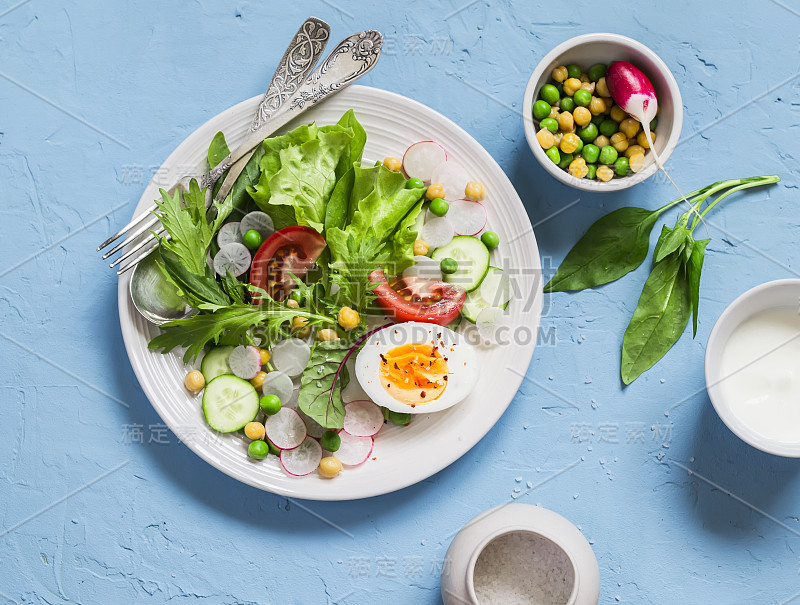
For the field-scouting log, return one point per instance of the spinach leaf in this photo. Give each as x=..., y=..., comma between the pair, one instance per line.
x=694, y=267
x=217, y=150
x=322, y=383
x=660, y=317
x=613, y=246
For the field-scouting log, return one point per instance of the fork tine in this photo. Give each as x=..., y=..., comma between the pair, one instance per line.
x=150, y=238
x=134, y=222
x=138, y=259
x=131, y=237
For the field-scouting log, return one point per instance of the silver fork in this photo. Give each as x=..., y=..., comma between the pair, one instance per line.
x=352, y=58
x=298, y=60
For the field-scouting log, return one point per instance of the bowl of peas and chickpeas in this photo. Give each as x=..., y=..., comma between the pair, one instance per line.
x=577, y=132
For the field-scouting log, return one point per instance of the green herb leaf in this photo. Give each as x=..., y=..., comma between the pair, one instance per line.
x=613, y=246
x=659, y=319
x=200, y=291
x=217, y=150
x=184, y=218
x=694, y=267
x=322, y=383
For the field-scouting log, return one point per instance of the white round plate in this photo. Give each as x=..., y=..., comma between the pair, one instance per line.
x=402, y=455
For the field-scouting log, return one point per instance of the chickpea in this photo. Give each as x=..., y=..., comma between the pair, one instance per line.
x=545, y=138
x=265, y=356
x=604, y=173
x=585, y=79
x=254, y=430
x=475, y=191
x=327, y=334
x=597, y=106
x=582, y=116
x=571, y=85
x=421, y=247
x=348, y=318
x=602, y=88
x=258, y=380
x=194, y=381
x=630, y=127
x=570, y=142
x=633, y=149
x=578, y=168
x=565, y=121
x=329, y=467
x=642, y=140
x=553, y=112
x=300, y=326
x=559, y=73
x=292, y=304
x=434, y=190
x=617, y=114
x=636, y=161
x=619, y=141
x=602, y=141
x=588, y=86
x=393, y=164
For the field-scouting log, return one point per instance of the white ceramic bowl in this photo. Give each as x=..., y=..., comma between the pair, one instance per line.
x=780, y=293
x=586, y=50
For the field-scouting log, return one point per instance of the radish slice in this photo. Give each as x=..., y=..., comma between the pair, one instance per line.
x=468, y=217
x=233, y=258
x=426, y=268
x=453, y=178
x=314, y=428
x=302, y=460
x=354, y=450
x=257, y=221
x=278, y=383
x=245, y=362
x=229, y=234
x=362, y=418
x=286, y=429
x=437, y=232
x=291, y=356
x=421, y=158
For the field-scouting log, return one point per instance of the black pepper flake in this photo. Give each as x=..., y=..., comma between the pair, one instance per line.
x=422, y=394
x=383, y=359
x=388, y=385
x=445, y=377
x=395, y=366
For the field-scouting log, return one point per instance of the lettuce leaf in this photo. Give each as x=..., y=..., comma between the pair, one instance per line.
x=401, y=245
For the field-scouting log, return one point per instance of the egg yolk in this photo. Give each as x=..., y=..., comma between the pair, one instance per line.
x=414, y=373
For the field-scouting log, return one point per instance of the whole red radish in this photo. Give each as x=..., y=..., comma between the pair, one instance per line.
x=632, y=90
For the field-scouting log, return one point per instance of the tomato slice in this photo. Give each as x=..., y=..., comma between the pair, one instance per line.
x=418, y=299
x=289, y=250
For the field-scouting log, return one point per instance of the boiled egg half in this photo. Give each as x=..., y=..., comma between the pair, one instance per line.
x=417, y=368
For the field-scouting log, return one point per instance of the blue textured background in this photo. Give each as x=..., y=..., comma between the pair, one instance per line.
x=92, y=95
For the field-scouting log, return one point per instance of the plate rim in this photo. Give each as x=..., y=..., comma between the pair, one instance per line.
x=522, y=361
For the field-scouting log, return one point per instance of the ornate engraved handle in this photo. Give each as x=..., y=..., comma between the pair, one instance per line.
x=299, y=59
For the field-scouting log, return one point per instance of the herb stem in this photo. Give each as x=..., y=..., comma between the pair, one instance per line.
x=741, y=184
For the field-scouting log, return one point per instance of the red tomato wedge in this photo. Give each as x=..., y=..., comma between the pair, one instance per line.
x=289, y=250
x=418, y=299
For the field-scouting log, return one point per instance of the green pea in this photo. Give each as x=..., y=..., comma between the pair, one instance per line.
x=490, y=239
x=554, y=154
x=592, y=171
x=622, y=165
x=566, y=159
x=550, y=123
x=608, y=155
x=573, y=71
x=598, y=119
x=439, y=207
x=414, y=183
x=596, y=71
x=582, y=97
x=399, y=418
x=653, y=124
x=588, y=133
x=559, y=87
x=541, y=109
x=590, y=153
x=270, y=404
x=258, y=450
x=567, y=104
x=579, y=148
x=550, y=94
x=448, y=266
x=296, y=296
x=252, y=239
x=608, y=127
x=330, y=441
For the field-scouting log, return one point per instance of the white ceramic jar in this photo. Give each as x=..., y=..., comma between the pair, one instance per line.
x=458, y=582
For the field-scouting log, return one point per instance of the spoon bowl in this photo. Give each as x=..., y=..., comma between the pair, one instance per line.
x=154, y=297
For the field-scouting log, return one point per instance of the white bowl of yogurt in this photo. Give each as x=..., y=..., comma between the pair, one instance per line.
x=753, y=367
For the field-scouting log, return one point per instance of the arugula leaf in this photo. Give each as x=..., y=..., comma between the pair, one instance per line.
x=184, y=218
x=613, y=246
x=694, y=267
x=322, y=383
x=660, y=317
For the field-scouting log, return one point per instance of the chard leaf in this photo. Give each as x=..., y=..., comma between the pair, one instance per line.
x=614, y=245
x=322, y=383
x=660, y=318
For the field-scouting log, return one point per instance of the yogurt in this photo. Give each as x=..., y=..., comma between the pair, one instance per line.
x=760, y=370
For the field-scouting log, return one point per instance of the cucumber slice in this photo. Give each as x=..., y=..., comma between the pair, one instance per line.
x=229, y=403
x=215, y=363
x=476, y=302
x=472, y=257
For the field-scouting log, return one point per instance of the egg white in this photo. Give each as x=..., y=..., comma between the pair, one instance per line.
x=462, y=364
